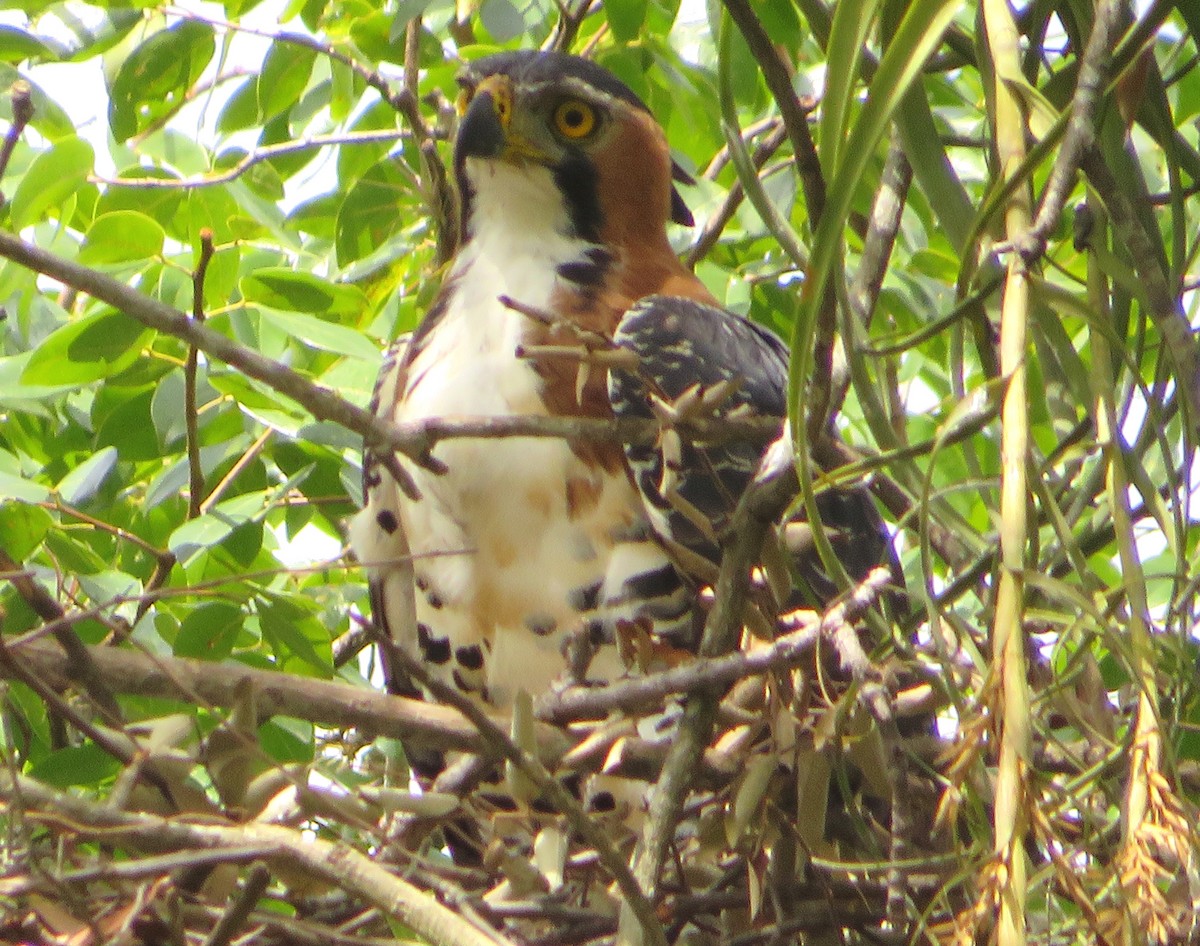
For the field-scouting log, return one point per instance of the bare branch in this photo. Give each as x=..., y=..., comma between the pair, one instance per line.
x=415, y=441
x=716, y=673
x=327, y=702
x=757, y=510
x=81, y=667
x=1080, y=135
x=794, y=112
x=334, y=863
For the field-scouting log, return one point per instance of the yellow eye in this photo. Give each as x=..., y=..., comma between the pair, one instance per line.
x=574, y=119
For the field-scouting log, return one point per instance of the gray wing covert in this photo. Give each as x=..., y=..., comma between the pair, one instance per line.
x=690, y=490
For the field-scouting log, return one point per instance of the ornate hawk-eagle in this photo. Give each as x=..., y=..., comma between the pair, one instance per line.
x=566, y=191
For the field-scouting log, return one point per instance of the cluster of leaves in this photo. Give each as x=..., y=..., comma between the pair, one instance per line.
x=297, y=204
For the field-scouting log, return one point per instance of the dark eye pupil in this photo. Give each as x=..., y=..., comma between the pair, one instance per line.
x=573, y=117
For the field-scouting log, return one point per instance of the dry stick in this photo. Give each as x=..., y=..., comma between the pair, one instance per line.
x=335, y=863
x=549, y=787
x=238, y=911
x=756, y=512
x=1008, y=637
x=137, y=869
x=339, y=705
x=327, y=702
x=863, y=291
x=716, y=672
x=190, y=410
x=13, y=667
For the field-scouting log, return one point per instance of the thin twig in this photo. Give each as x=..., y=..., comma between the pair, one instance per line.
x=257, y=156
x=240, y=907
x=248, y=457
x=401, y=101
x=335, y=863
x=1080, y=135
x=758, y=509
x=82, y=667
x=190, y=411
x=21, y=96
x=717, y=673
x=498, y=740
x=864, y=288
x=793, y=112
x=707, y=238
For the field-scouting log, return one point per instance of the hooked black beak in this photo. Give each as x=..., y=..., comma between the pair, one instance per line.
x=481, y=133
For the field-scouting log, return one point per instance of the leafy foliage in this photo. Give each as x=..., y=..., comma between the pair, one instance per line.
x=279, y=175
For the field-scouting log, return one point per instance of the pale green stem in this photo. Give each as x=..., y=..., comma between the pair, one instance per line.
x=1146, y=748
x=1008, y=639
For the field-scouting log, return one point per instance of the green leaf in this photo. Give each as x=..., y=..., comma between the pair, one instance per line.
x=17, y=45
x=327, y=336
x=14, y=391
x=290, y=291
x=371, y=33
x=286, y=739
x=260, y=402
x=285, y=74
x=95, y=347
x=371, y=211
x=49, y=118
x=211, y=529
x=122, y=420
x=22, y=528
x=159, y=203
x=120, y=237
x=76, y=765
x=153, y=82
x=240, y=109
x=17, y=487
x=54, y=176
x=83, y=482
x=503, y=20
x=625, y=18
x=296, y=632
x=210, y=631
x=781, y=21
x=405, y=11
x=96, y=38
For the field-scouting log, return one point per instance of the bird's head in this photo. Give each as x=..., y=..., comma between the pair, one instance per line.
x=574, y=133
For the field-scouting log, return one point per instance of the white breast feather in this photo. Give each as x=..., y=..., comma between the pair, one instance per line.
x=492, y=537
